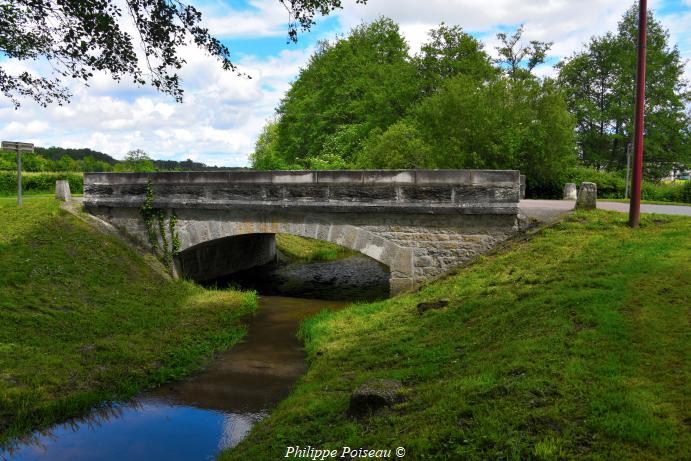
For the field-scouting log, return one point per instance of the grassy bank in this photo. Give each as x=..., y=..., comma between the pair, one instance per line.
x=574, y=345
x=83, y=318
x=645, y=202
x=306, y=249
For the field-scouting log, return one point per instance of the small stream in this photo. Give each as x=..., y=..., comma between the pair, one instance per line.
x=196, y=418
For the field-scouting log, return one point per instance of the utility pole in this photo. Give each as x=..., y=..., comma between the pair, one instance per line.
x=635, y=205
x=18, y=147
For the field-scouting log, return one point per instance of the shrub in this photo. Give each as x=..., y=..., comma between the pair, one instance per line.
x=609, y=185
x=43, y=182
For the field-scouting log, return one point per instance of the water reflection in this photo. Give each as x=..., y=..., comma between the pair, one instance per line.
x=195, y=418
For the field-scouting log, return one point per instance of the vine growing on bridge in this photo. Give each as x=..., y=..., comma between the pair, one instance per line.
x=155, y=222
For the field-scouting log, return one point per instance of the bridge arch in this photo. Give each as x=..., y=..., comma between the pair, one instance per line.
x=259, y=248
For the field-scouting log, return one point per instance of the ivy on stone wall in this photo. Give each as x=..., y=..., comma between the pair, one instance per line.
x=155, y=222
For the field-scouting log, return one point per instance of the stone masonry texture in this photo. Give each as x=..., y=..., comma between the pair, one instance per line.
x=420, y=223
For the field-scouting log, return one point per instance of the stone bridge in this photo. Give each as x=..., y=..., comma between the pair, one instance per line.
x=419, y=223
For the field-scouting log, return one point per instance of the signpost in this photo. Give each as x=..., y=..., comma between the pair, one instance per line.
x=18, y=147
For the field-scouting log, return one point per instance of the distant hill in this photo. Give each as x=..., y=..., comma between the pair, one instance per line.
x=186, y=165
x=56, y=153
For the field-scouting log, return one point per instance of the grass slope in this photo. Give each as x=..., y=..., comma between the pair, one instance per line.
x=84, y=319
x=572, y=345
x=302, y=248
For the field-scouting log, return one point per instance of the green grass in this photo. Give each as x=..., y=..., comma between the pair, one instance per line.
x=573, y=345
x=647, y=202
x=84, y=319
x=309, y=249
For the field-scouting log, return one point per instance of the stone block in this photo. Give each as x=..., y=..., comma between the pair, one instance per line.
x=374, y=395
x=570, y=191
x=495, y=177
x=257, y=177
x=587, y=196
x=338, y=176
x=389, y=177
x=400, y=285
x=294, y=177
x=442, y=176
x=524, y=181
x=62, y=190
x=424, y=261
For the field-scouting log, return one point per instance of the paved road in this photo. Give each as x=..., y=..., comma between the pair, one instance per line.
x=546, y=210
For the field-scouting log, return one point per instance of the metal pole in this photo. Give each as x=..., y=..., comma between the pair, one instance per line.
x=628, y=169
x=19, y=179
x=635, y=205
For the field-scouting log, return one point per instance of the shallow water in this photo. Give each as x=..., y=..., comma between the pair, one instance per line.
x=357, y=278
x=193, y=419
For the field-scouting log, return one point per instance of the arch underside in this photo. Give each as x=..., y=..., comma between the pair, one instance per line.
x=194, y=232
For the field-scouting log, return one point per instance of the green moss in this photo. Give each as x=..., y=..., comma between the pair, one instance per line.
x=84, y=319
x=573, y=345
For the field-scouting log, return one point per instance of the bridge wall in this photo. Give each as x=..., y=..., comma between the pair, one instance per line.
x=419, y=223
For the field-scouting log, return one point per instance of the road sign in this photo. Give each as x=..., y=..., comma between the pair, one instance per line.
x=18, y=146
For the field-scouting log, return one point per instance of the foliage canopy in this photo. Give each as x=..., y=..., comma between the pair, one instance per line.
x=80, y=37
x=599, y=83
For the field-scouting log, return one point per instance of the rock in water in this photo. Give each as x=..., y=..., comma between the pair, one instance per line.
x=570, y=191
x=587, y=196
x=374, y=395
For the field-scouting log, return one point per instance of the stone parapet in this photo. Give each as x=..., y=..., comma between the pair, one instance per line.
x=394, y=191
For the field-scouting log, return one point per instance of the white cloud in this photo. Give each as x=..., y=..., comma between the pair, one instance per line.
x=223, y=113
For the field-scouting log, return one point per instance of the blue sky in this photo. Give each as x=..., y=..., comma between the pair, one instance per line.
x=223, y=114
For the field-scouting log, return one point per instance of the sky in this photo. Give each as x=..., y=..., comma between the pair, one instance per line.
x=223, y=113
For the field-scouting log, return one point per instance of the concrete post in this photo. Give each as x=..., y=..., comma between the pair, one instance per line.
x=523, y=180
x=570, y=192
x=587, y=196
x=62, y=190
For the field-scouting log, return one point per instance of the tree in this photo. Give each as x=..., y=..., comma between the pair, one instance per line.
x=400, y=146
x=90, y=164
x=514, y=55
x=366, y=80
x=80, y=37
x=599, y=83
x=66, y=164
x=136, y=161
x=499, y=124
x=265, y=155
x=450, y=52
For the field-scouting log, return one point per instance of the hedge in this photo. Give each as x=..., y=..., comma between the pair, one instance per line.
x=43, y=182
x=609, y=185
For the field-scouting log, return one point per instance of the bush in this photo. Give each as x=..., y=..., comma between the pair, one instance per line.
x=43, y=182
x=609, y=185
